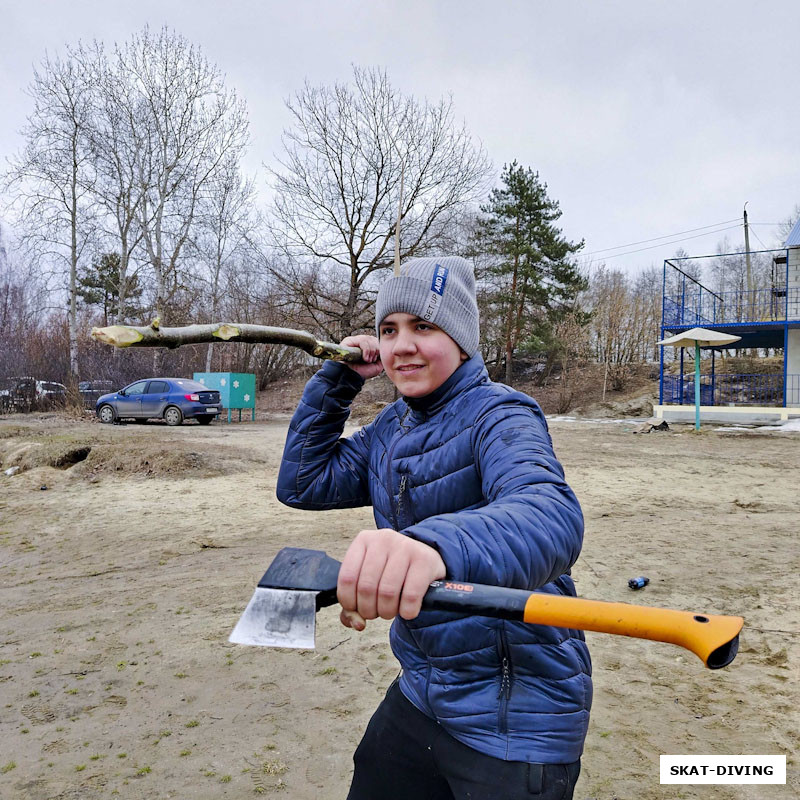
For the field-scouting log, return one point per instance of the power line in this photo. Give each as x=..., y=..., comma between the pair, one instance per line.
x=759, y=239
x=668, y=236
x=674, y=241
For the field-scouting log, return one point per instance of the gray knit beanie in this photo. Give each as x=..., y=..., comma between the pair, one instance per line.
x=438, y=290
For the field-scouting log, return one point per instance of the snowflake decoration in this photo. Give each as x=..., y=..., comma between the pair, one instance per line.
x=222, y=382
x=236, y=384
x=247, y=398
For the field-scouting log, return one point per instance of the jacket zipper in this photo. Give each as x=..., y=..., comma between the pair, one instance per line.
x=506, y=681
x=390, y=484
x=403, y=479
x=400, y=516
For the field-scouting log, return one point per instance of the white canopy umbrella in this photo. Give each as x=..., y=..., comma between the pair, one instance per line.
x=699, y=337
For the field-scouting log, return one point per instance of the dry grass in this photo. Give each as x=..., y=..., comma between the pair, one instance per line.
x=93, y=454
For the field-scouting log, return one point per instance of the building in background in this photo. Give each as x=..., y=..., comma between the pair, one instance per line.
x=755, y=296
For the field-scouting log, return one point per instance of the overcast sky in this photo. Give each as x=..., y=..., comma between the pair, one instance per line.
x=644, y=118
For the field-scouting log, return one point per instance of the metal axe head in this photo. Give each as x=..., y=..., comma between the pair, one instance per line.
x=282, y=611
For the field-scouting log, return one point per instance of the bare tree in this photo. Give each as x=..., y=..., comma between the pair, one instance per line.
x=571, y=349
x=336, y=196
x=621, y=325
x=51, y=180
x=23, y=298
x=647, y=289
x=118, y=190
x=185, y=125
x=226, y=224
x=3, y=250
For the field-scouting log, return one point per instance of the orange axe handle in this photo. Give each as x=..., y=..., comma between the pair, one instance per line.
x=713, y=638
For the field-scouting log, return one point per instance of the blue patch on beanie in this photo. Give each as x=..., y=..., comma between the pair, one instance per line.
x=438, y=283
x=439, y=279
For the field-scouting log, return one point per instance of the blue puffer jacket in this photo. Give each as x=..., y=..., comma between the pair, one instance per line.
x=469, y=470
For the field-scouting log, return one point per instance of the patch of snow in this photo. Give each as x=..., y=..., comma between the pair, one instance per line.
x=792, y=425
x=789, y=425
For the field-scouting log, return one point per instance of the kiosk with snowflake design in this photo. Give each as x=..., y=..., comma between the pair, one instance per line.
x=237, y=390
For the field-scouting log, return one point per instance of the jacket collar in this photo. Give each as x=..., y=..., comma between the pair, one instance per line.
x=470, y=373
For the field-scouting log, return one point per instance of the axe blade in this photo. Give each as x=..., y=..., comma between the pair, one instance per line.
x=278, y=618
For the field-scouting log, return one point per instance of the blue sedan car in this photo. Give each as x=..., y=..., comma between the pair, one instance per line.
x=170, y=399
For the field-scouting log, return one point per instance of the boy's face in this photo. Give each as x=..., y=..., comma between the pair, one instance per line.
x=418, y=357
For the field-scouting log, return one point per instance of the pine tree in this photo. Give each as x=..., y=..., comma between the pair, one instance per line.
x=100, y=285
x=533, y=278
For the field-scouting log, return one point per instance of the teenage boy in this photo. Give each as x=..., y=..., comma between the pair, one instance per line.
x=464, y=484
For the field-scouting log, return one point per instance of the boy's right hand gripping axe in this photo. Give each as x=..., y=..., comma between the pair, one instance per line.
x=282, y=611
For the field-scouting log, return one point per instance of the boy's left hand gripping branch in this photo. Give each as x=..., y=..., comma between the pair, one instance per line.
x=153, y=335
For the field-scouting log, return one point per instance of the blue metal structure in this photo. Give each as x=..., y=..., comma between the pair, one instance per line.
x=761, y=317
x=793, y=239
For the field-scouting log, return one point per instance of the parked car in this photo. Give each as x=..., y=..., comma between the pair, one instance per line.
x=170, y=399
x=50, y=393
x=17, y=394
x=92, y=391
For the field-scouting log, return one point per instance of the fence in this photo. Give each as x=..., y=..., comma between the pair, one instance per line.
x=696, y=307
x=723, y=389
x=731, y=288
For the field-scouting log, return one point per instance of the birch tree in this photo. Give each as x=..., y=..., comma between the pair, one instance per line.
x=647, y=290
x=617, y=323
x=225, y=228
x=51, y=180
x=184, y=125
x=118, y=189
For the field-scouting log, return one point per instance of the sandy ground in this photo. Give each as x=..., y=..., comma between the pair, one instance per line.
x=121, y=577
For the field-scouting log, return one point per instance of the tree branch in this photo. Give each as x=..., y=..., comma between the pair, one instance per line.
x=155, y=336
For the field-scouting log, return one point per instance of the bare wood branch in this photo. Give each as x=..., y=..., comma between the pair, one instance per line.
x=154, y=335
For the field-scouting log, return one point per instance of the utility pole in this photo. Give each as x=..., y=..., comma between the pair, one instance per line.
x=751, y=304
x=747, y=259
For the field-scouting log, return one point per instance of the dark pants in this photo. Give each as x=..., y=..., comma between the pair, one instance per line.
x=405, y=754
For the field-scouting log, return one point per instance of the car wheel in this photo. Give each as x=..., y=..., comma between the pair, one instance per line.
x=106, y=414
x=173, y=415
x=205, y=419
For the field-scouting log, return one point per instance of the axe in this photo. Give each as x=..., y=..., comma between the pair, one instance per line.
x=282, y=611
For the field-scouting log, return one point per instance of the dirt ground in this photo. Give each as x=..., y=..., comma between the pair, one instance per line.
x=127, y=553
